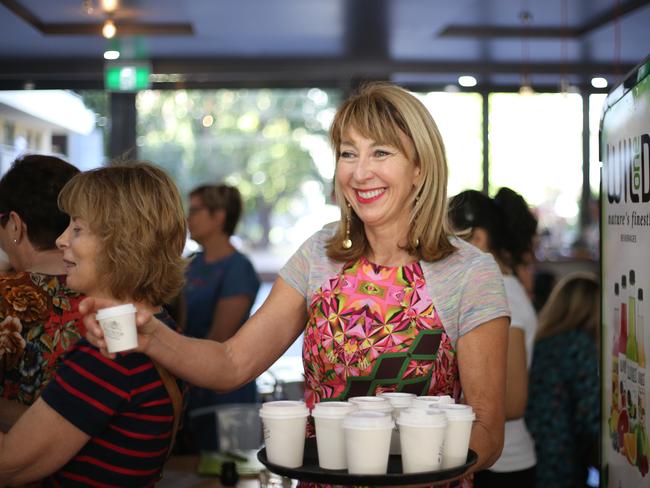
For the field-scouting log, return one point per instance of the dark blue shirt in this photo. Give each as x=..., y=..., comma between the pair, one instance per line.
x=207, y=283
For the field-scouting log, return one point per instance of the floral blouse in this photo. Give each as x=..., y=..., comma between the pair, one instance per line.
x=39, y=322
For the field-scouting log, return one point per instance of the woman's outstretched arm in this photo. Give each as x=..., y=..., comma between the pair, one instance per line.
x=209, y=364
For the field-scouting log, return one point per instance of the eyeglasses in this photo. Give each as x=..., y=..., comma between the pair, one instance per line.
x=195, y=210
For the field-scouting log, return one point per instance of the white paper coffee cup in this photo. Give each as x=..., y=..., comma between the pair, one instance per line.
x=367, y=441
x=399, y=401
x=330, y=437
x=376, y=403
x=285, y=427
x=422, y=435
x=459, y=429
x=118, y=326
x=427, y=401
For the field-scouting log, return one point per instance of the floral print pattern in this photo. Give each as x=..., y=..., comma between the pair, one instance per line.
x=39, y=322
x=373, y=329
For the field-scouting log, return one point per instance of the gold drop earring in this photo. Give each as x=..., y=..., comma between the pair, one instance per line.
x=347, y=242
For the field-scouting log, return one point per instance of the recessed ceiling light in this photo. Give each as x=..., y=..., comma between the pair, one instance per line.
x=599, y=82
x=109, y=5
x=110, y=55
x=467, y=81
x=109, y=29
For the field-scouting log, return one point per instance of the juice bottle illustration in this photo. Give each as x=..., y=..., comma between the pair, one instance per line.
x=631, y=351
x=640, y=330
x=615, y=406
x=622, y=347
x=622, y=338
x=616, y=325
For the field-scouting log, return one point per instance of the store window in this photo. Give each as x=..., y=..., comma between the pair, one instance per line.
x=536, y=149
x=270, y=143
x=459, y=119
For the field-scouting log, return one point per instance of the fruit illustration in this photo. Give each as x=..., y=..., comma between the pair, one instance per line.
x=643, y=465
x=629, y=441
x=622, y=428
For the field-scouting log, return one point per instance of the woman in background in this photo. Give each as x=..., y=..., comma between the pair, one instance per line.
x=563, y=412
x=221, y=286
x=505, y=227
x=39, y=320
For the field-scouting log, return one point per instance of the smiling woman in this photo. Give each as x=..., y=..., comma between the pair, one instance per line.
x=98, y=421
x=390, y=280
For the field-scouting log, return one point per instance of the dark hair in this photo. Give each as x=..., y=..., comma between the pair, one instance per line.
x=30, y=188
x=521, y=223
x=509, y=224
x=221, y=197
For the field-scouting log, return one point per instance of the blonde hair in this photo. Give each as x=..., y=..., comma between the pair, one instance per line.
x=573, y=304
x=382, y=111
x=136, y=211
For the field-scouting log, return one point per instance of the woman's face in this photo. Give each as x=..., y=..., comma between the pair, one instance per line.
x=81, y=248
x=377, y=179
x=200, y=221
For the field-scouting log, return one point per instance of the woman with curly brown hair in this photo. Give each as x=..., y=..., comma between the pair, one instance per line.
x=39, y=320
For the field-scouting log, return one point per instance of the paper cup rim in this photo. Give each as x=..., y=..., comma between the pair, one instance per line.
x=284, y=409
x=333, y=410
x=372, y=403
x=399, y=399
x=418, y=417
x=368, y=420
x=105, y=313
x=457, y=411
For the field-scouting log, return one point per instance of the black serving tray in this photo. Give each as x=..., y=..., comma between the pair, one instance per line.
x=310, y=471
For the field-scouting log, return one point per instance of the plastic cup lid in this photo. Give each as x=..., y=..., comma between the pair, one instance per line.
x=379, y=404
x=419, y=417
x=332, y=410
x=398, y=399
x=456, y=411
x=368, y=419
x=105, y=313
x=284, y=409
x=428, y=400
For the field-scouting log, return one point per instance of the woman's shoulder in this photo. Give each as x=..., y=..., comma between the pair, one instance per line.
x=465, y=257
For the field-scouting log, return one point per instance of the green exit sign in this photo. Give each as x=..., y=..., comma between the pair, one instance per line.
x=127, y=77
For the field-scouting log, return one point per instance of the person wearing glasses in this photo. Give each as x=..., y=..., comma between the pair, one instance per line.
x=220, y=289
x=39, y=319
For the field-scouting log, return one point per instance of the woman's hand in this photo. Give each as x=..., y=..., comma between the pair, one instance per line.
x=144, y=319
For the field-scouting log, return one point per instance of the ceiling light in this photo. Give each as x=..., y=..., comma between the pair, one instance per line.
x=109, y=29
x=599, y=82
x=109, y=5
x=467, y=81
x=111, y=55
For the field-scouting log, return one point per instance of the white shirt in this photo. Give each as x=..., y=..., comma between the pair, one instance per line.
x=518, y=447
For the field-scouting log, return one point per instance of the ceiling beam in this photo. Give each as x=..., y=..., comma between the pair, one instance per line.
x=94, y=29
x=123, y=28
x=274, y=69
x=533, y=31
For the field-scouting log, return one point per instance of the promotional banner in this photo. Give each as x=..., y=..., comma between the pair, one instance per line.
x=625, y=268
